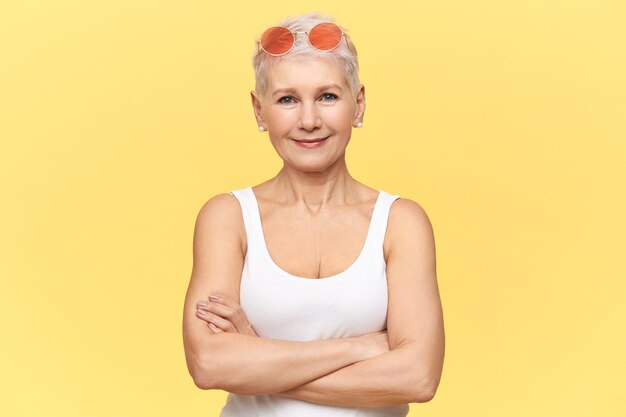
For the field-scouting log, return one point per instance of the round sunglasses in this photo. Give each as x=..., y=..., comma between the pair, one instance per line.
x=279, y=40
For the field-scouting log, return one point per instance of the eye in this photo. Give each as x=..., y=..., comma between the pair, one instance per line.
x=329, y=97
x=286, y=100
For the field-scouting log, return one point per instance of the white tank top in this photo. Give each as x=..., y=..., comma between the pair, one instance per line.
x=280, y=305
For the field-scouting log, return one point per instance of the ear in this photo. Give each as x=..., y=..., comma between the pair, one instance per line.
x=359, y=111
x=256, y=107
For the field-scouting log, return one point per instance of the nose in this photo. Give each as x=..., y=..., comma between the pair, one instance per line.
x=309, y=117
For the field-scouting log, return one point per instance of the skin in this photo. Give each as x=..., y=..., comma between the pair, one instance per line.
x=315, y=201
x=307, y=110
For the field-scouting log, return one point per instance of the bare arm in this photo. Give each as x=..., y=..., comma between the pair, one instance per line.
x=382, y=381
x=236, y=362
x=411, y=370
x=251, y=365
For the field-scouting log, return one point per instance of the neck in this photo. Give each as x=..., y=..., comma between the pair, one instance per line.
x=314, y=188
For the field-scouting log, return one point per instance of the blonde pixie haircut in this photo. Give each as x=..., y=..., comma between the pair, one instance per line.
x=344, y=55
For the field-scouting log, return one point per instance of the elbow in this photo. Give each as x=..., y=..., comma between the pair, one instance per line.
x=424, y=395
x=201, y=381
x=202, y=377
x=425, y=390
x=203, y=360
x=199, y=376
x=200, y=373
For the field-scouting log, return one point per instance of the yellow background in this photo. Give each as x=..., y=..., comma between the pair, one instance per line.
x=505, y=120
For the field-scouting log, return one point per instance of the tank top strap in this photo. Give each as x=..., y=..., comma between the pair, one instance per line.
x=251, y=217
x=380, y=218
x=254, y=231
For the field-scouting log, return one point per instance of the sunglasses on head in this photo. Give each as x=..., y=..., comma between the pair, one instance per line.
x=279, y=40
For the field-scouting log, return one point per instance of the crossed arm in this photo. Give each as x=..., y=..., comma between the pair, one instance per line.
x=342, y=372
x=375, y=378
x=377, y=382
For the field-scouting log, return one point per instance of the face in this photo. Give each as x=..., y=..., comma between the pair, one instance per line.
x=308, y=99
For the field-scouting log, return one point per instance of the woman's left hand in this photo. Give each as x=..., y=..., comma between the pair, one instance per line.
x=224, y=315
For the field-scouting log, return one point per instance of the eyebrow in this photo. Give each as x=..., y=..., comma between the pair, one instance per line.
x=293, y=90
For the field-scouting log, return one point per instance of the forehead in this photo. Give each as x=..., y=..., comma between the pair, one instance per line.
x=304, y=73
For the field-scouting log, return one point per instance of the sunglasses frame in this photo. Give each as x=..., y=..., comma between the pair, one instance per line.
x=295, y=35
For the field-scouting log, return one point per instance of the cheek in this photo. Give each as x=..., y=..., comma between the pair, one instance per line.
x=281, y=119
x=341, y=119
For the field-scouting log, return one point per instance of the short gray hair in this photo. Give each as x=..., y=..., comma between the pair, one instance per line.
x=344, y=55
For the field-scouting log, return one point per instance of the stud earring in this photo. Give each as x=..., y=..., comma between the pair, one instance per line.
x=359, y=125
x=261, y=129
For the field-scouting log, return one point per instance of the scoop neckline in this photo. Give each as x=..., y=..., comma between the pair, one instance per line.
x=330, y=278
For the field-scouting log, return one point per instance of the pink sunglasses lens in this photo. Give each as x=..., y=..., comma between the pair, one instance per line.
x=325, y=36
x=277, y=40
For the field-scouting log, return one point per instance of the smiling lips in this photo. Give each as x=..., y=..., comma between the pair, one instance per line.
x=311, y=143
x=310, y=140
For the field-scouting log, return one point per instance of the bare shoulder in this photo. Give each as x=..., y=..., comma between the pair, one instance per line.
x=222, y=214
x=224, y=206
x=218, y=263
x=415, y=314
x=408, y=224
x=218, y=255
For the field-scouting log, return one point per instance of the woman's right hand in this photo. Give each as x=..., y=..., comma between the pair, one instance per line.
x=373, y=344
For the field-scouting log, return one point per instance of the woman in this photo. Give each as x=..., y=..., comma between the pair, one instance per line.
x=327, y=300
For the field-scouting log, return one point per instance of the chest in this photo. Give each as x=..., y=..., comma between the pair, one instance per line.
x=315, y=247
x=296, y=308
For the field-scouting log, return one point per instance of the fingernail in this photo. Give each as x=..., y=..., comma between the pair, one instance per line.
x=201, y=312
x=214, y=297
x=202, y=304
